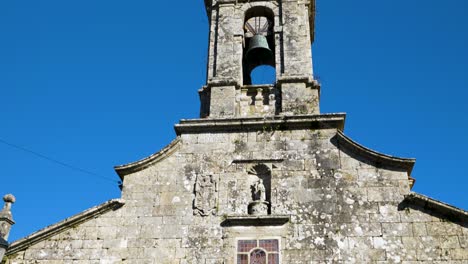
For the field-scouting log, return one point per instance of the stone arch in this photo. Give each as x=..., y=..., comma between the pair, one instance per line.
x=270, y=6
x=268, y=12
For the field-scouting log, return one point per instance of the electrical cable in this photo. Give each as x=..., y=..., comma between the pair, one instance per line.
x=57, y=161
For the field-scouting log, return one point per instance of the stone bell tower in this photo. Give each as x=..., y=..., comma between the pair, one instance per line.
x=246, y=34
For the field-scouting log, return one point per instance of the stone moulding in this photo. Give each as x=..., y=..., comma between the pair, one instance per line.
x=279, y=122
x=257, y=161
x=126, y=169
x=255, y=220
x=430, y=204
x=309, y=81
x=63, y=225
x=312, y=20
x=402, y=163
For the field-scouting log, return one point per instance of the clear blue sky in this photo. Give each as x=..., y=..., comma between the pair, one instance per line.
x=100, y=83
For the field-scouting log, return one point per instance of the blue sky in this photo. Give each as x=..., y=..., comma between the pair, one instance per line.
x=100, y=83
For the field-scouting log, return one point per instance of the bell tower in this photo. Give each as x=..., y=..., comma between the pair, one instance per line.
x=246, y=34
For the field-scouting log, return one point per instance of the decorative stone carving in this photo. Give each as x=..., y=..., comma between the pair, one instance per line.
x=260, y=193
x=259, y=205
x=258, y=208
x=206, y=195
x=6, y=219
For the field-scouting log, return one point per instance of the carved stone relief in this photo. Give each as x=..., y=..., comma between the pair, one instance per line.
x=206, y=195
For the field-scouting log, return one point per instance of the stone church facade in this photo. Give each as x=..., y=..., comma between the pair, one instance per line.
x=262, y=177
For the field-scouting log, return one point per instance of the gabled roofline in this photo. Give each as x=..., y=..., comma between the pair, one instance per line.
x=63, y=225
x=430, y=204
x=377, y=157
x=123, y=170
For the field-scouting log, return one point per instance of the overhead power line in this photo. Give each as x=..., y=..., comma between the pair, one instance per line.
x=37, y=154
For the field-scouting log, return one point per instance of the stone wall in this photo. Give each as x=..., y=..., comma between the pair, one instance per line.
x=342, y=208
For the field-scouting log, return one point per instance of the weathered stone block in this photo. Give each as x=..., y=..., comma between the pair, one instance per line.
x=297, y=98
x=463, y=241
x=397, y=229
x=223, y=101
x=384, y=194
x=419, y=229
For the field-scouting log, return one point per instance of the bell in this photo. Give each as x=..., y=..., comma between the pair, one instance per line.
x=258, y=49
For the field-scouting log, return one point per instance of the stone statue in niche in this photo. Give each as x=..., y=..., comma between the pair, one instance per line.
x=261, y=190
x=206, y=195
x=259, y=193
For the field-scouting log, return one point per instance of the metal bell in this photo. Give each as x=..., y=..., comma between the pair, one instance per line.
x=259, y=51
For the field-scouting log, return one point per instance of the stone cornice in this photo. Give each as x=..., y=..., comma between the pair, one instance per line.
x=451, y=212
x=279, y=122
x=374, y=156
x=255, y=220
x=125, y=169
x=61, y=226
x=8, y=220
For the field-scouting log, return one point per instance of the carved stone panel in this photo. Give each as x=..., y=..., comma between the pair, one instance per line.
x=206, y=195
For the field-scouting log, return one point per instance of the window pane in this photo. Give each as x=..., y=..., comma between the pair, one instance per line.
x=269, y=245
x=246, y=245
x=242, y=259
x=273, y=259
x=258, y=256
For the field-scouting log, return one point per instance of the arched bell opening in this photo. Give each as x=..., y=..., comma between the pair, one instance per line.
x=259, y=42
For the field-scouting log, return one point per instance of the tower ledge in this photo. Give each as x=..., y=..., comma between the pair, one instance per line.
x=211, y=125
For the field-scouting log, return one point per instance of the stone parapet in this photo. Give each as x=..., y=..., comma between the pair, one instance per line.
x=291, y=95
